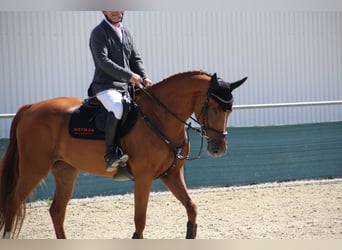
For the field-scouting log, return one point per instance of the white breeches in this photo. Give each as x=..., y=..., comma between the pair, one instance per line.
x=111, y=100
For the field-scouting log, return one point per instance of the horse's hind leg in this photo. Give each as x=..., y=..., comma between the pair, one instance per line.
x=65, y=177
x=176, y=184
x=15, y=207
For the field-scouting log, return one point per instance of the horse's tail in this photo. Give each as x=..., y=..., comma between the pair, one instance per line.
x=9, y=173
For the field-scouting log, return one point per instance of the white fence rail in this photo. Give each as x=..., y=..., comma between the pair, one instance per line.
x=255, y=106
x=290, y=104
x=7, y=115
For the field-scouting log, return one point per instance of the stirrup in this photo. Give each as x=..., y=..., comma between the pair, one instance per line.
x=120, y=162
x=123, y=158
x=113, y=166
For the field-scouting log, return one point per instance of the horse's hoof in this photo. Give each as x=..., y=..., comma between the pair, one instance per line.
x=135, y=236
x=191, y=230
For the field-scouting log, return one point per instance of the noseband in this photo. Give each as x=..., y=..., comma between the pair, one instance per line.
x=205, y=115
x=203, y=131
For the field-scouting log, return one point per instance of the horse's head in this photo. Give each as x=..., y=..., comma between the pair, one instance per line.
x=213, y=115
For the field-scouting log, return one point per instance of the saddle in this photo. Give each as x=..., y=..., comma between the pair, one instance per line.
x=89, y=120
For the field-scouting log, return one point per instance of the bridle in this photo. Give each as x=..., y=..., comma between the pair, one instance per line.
x=205, y=115
x=202, y=130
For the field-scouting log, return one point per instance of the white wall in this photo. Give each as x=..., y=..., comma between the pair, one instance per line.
x=289, y=56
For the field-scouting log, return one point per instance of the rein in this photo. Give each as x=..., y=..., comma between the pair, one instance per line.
x=176, y=149
x=202, y=131
x=157, y=101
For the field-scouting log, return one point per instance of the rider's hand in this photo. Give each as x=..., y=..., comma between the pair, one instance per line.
x=147, y=82
x=135, y=79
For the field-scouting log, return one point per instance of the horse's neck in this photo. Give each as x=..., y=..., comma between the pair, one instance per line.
x=179, y=96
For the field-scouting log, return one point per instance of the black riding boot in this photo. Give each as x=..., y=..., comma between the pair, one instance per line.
x=113, y=158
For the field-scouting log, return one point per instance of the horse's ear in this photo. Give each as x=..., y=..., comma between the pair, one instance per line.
x=237, y=84
x=214, y=82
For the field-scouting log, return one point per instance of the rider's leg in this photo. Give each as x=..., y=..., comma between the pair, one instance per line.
x=111, y=100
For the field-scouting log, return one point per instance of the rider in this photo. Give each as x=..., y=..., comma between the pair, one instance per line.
x=117, y=64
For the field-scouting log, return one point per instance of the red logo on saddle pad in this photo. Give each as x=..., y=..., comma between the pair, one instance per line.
x=84, y=131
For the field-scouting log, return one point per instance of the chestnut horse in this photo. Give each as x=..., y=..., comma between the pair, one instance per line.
x=40, y=142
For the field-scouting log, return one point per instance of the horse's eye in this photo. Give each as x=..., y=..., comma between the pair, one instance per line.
x=214, y=112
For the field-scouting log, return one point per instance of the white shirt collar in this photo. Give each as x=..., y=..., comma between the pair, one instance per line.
x=114, y=27
x=118, y=30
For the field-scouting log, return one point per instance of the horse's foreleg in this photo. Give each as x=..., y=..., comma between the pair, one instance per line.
x=142, y=190
x=176, y=184
x=65, y=177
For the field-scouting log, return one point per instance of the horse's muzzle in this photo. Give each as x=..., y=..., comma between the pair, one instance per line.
x=217, y=147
